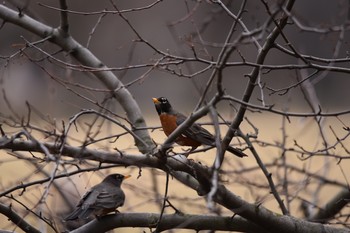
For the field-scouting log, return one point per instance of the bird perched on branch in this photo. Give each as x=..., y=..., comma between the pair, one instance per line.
x=193, y=136
x=101, y=199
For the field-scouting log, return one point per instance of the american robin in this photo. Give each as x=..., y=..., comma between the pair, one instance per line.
x=193, y=136
x=101, y=199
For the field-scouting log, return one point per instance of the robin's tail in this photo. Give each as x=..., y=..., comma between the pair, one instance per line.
x=236, y=152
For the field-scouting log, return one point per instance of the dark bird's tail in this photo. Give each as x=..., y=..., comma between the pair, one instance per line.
x=236, y=152
x=78, y=213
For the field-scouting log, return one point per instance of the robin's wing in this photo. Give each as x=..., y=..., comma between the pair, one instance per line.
x=196, y=132
x=200, y=134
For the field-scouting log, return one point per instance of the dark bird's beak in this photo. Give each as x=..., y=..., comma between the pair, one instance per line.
x=126, y=177
x=155, y=100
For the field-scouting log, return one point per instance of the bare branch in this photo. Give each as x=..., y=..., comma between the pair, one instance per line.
x=16, y=219
x=86, y=58
x=254, y=75
x=169, y=221
x=332, y=207
x=223, y=196
x=64, y=17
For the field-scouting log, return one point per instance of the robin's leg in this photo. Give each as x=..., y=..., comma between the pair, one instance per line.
x=170, y=151
x=188, y=152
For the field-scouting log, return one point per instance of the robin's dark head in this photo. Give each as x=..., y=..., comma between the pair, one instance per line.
x=115, y=179
x=162, y=105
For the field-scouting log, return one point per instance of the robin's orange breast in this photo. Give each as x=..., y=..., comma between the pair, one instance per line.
x=169, y=124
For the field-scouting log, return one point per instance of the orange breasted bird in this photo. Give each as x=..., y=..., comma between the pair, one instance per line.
x=193, y=136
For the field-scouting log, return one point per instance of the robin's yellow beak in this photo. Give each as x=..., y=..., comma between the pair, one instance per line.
x=126, y=177
x=155, y=100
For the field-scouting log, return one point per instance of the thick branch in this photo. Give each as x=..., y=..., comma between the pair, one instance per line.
x=333, y=207
x=86, y=58
x=64, y=17
x=16, y=219
x=267, y=219
x=169, y=221
x=176, y=163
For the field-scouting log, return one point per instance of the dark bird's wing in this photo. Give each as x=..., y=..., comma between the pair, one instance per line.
x=97, y=200
x=83, y=209
x=110, y=199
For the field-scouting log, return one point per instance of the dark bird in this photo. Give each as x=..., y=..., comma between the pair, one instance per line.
x=101, y=199
x=193, y=136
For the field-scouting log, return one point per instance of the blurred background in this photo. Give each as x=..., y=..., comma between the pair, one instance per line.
x=172, y=27
x=179, y=28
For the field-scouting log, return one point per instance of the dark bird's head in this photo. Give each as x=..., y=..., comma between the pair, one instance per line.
x=115, y=179
x=162, y=105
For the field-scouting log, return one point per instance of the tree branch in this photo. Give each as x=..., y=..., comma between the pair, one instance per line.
x=267, y=219
x=189, y=173
x=333, y=207
x=64, y=26
x=86, y=58
x=16, y=219
x=169, y=221
x=253, y=77
x=249, y=90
